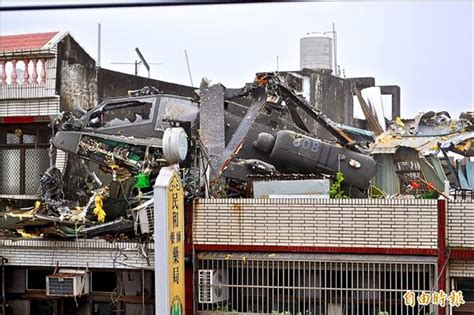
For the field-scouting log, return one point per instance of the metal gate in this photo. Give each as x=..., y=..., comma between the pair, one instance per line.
x=309, y=284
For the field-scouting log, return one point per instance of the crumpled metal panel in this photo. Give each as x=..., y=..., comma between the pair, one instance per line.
x=459, y=140
x=389, y=142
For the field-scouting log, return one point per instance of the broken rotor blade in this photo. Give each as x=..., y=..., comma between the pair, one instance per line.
x=298, y=120
x=259, y=101
x=324, y=121
x=372, y=122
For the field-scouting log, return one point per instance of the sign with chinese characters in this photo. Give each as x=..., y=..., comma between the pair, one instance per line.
x=176, y=244
x=455, y=298
x=169, y=243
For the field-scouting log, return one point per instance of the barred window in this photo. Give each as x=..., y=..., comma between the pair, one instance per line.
x=311, y=284
x=23, y=157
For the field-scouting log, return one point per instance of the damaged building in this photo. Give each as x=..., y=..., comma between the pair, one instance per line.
x=292, y=205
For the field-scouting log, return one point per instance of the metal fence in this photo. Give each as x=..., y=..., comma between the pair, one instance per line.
x=304, y=284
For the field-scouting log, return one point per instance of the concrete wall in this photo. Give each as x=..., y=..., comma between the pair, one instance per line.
x=333, y=96
x=321, y=222
x=77, y=76
x=461, y=224
x=113, y=83
x=81, y=84
x=86, y=252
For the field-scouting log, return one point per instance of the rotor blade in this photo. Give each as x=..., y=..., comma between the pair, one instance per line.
x=297, y=119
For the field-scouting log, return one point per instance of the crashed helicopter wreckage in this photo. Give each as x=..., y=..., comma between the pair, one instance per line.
x=219, y=139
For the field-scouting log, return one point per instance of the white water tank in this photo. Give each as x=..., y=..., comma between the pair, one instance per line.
x=316, y=52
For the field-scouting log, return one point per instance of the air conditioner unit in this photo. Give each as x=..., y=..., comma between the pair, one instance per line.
x=67, y=283
x=144, y=217
x=336, y=309
x=210, y=286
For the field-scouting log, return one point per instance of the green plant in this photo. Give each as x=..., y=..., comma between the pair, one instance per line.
x=335, y=191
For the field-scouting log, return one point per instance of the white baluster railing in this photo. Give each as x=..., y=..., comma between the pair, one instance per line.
x=21, y=78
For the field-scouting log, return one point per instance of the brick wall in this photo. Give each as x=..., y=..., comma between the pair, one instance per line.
x=461, y=224
x=29, y=106
x=461, y=268
x=94, y=253
x=317, y=222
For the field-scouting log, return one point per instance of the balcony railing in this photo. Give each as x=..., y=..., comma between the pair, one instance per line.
x=25, y=77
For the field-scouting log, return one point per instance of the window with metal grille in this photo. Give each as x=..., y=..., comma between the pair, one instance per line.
x=310, y=284
x=23, y=158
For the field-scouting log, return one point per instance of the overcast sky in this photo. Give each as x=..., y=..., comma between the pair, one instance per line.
x=426, y=48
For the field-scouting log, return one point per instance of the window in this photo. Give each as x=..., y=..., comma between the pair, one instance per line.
x=103, y=281
x=42, y=307
x=23, y=155
x=178, y=109
x=466, y=285
x=310, y=284
x=36, y=278
x=122, y=114
x=105, y=308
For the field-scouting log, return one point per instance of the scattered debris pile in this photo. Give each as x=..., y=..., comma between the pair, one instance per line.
x=222, y=139
x=414, y=152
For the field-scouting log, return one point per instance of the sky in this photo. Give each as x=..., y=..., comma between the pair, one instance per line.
x=425, y=48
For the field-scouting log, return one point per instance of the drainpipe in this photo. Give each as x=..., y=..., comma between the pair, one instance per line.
x=442, y=259
x=4, y=260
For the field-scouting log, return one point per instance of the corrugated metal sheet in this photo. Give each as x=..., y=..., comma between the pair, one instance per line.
x=386, y=177
x=388, y=143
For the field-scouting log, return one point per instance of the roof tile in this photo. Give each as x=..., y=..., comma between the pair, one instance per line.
x=25, y=41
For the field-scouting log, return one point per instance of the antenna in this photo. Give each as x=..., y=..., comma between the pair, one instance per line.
x=98, y=44
x=189, y=69
x=277, y=63
x=138, y=63
x=143, y=61
x=335, y=48
x=337, y=72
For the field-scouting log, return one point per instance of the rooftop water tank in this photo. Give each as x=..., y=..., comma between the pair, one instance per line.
x=316, y=52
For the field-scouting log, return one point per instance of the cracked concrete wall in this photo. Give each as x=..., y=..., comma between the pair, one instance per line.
x=331, y=95
x=80, y=83
x=77, y=76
